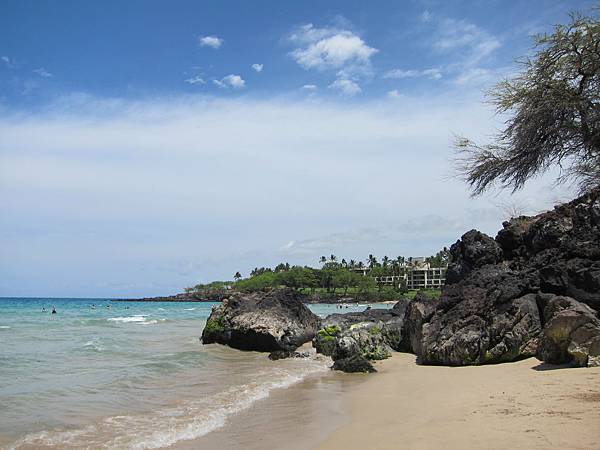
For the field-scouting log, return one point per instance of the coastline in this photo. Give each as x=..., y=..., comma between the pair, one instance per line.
x=298, y=417
x=519, y=405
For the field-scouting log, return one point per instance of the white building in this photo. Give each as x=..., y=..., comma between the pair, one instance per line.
x=418, y=274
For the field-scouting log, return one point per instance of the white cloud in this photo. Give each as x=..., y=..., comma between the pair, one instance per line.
x=210, y=41
x=310, y=87
x=233, y=81
x=257, y=67
x=426, y=16
x=394, y=94
x=197, y=178
x=400, y=73
x=331, y=48
x=43, y=73
x=461, y=36
x=432, y=74
x=9, y=62
x=478, y=76
x=195, y=80
x=346, y=87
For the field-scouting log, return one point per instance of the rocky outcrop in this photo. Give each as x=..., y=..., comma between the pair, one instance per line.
x=534, y=290
x=473, y=325
x=355, y=339
x=571, y=333
x=472, y=251
x=266, y=322
x=348, y=357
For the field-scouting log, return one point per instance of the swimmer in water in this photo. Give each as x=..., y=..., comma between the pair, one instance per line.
x=54, y=310
x=43, y=309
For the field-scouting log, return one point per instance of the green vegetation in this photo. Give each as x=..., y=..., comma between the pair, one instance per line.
x=377, y=354
x=553, y=109
x=375, y=330
x=329, y=333
x=334, y=279
x=215, y=325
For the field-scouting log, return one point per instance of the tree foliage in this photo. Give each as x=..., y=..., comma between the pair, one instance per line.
x=553, y=106
x=332, y=277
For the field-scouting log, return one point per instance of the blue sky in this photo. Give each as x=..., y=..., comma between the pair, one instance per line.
x=146, y=146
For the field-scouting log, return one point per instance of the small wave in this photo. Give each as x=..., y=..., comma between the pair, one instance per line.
x=149, y=322
x=4, y=327
x=93, y=345
x=52, y=438
x=139, y=319
x=190, y=309
x=189, y=420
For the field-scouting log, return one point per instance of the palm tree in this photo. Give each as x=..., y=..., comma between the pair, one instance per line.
x=352, y=264
x=237, y=276
x=344, y=263
x=360, y=265
x=372, y=261
x=385, y=261
x=323, y=260
x=333, y=258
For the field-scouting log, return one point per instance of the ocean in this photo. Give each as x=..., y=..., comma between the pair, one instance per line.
x=131, y=375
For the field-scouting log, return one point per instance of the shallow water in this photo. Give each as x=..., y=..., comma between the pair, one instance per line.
x=132, y=375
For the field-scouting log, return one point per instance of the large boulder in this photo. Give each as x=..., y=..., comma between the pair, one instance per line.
x=348, y=357
x=472, y=251
x=571, y=334
x=490, y=317
x=265, y=322
x=354, y=339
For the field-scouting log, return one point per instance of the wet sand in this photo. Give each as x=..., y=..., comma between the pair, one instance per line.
x=294, y=418
x=521, y=405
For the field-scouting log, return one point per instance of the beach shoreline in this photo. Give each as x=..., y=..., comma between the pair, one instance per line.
x=520, y=405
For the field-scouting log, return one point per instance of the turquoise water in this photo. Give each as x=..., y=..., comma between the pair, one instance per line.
x=102, y=374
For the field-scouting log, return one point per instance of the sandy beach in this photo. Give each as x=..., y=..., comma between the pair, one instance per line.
x=521, y=405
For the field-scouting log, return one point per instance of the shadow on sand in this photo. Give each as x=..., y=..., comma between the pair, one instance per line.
x=547, y=366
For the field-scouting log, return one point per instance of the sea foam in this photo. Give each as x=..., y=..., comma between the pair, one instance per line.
x=188, y=420
x=140, y=319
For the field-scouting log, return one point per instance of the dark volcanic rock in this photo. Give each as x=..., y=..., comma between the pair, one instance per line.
x=489, y=317
x=284, y=354
x=348, y=357
x=265, y=322
x=512, y=237
x=417, y=315
x=353, y=339
x=561, y=246
x=571, y=333
x=520, y=295
x=473, y=250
